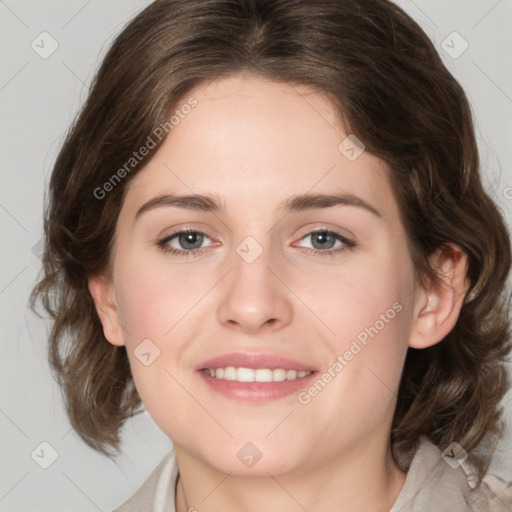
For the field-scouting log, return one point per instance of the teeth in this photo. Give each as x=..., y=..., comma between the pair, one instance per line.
x=260, y=375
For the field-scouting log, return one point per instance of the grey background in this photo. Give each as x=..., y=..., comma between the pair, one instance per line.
x=38, y=99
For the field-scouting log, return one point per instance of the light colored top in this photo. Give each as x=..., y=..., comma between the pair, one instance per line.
x=431, y=485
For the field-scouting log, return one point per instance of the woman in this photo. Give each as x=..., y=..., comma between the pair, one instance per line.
x=268, y=225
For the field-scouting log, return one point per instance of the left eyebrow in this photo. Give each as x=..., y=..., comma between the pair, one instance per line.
x=313, y=201
x=301, y=202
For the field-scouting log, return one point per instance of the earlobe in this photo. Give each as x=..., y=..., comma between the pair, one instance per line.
x=102, y=292
x=438, y=305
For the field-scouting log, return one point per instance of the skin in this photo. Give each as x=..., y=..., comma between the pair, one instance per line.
x=254, y=143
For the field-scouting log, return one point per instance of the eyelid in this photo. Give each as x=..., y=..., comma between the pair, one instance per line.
x=316, y=227
x=179, y=228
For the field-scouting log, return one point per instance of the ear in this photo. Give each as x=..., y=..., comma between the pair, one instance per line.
x=102, y=291
x=438, y=305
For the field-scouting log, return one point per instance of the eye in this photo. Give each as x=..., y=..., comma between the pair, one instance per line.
x=327, y=242
x=184, y=242
x=190, y=242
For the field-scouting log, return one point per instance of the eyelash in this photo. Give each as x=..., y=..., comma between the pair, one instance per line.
x=163, y=244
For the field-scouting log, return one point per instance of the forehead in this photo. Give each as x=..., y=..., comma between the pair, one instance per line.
x=253, y=142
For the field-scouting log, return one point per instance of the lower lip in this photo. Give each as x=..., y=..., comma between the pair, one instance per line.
x=256, y=391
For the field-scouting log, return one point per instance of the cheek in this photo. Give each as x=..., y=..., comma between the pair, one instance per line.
x=153, y=299
x=358, y=298
x=153, y=304
x=368, y=309
x=372, y=337
x=160, y=303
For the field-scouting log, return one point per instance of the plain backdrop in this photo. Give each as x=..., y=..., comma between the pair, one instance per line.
x=40, y=94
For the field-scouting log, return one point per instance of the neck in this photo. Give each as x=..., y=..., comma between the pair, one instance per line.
x=355, y=482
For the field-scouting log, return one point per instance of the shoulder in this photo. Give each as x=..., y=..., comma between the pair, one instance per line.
x=157, y=493
x=431, y=484
x=493, y=495
x=449, y=484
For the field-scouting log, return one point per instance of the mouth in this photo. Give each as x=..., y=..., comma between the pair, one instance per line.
x=254, y=377
x=242, y=374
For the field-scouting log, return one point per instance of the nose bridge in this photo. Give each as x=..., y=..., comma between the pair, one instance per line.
x=253, y=297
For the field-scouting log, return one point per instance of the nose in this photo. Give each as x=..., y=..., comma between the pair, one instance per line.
x=253, y=298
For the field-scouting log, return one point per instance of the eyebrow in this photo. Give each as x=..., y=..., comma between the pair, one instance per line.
x=296, y=203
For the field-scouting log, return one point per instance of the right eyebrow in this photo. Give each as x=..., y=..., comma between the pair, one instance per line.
x=202, y=202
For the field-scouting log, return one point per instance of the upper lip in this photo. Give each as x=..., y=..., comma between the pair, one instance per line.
x=254, y=361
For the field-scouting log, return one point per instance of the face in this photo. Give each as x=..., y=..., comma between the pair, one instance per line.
x=294, y=259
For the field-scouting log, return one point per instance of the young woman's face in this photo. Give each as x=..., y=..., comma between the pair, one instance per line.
x=296, y=260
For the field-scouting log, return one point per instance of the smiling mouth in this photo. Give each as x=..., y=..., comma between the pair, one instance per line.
x=241, y=374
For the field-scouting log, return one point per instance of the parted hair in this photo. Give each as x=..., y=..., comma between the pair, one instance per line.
x=389, y=87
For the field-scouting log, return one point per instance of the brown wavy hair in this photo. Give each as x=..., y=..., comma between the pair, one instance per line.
x=390, y=88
